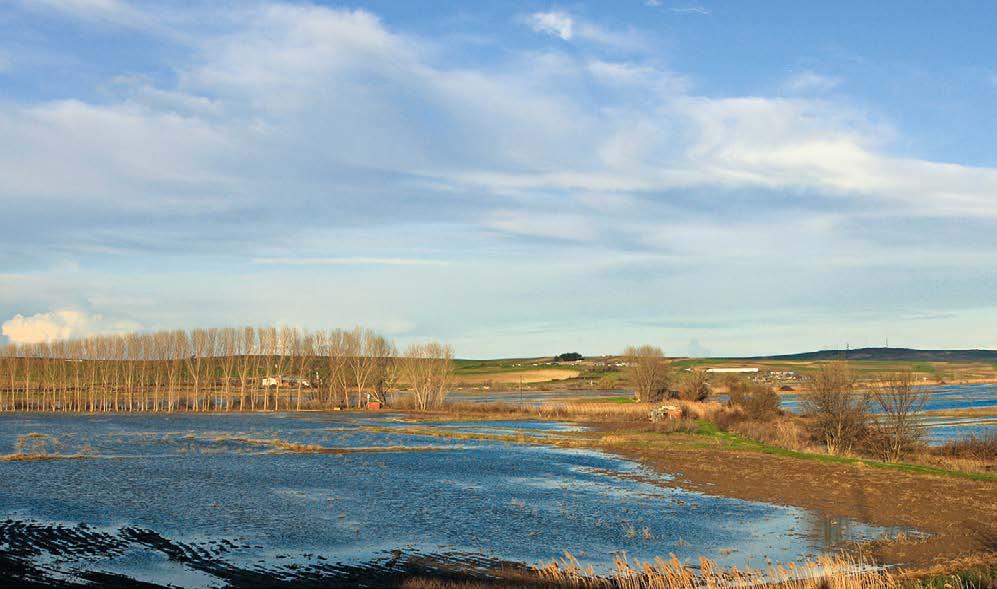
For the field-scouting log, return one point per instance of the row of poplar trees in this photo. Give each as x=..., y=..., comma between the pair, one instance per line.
x=220, y=369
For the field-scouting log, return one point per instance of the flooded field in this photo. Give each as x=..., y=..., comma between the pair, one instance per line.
x=944, y=404
x=204, y=501
x=944, y=407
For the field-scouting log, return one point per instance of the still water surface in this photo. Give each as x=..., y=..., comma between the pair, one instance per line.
x=211, y=484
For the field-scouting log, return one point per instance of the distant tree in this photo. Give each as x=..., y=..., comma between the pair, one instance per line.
x=428, y=369
x=568, y=357
x=840, y=414
x=648, y=372
x=385, y=371
x=900, y=402
x=757, y=400
x=696, y=386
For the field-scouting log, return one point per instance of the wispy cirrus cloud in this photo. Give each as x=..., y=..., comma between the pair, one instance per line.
x=701, y=10
x=567, y=27
x=558, y=24
x=114, y=12
x=350, y=261
x=809, y=81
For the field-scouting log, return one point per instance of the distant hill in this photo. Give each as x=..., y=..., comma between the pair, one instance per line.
x=889, y=355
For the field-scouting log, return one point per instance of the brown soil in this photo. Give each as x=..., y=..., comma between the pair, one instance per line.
x=960, y=515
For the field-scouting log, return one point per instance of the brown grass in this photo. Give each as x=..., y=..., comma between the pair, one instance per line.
x=286, y=446
x=979, y=448
x=574, y=410
x=972, y=454
x=784, y=431
x=19, y=457
x=824, y=573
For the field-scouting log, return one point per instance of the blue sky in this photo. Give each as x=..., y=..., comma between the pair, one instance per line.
x=513, y=178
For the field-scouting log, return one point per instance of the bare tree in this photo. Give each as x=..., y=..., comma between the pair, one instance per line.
x=696, y=386
x=900, y=402
x=384, y=373
x=839, y=413
x=362, y=360
x=194, y=370
x=428, y=370
x=227, y=344
x=304, y=353
x=245, y=347
x=339, y=349
x=648, y=373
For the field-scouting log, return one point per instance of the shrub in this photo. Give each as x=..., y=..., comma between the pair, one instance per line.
x=696, y=387
x=975, y=448
x=839, y=414
x=758, y=401
x=898, y=431
x=648, y=373
x=784, y=432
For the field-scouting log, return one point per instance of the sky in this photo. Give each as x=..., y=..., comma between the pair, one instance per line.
x=513, y=178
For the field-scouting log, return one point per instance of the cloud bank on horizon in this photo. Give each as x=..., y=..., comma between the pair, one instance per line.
x=511, y=180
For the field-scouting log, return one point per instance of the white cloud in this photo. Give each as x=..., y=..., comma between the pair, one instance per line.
x=557, y=24
x=123, y=154
x=296, y=120
x=60, y=325
x=691, y=10
x=697, y=350
x=811, y=82
x=308, y=89
x=569, y=28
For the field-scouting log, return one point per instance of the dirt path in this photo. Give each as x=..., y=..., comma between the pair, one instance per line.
x=960, y=515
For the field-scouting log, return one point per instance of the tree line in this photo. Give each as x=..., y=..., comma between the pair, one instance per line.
x=221, y=369
x=838, y=410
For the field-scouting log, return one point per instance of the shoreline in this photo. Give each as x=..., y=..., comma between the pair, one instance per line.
x=959, y=515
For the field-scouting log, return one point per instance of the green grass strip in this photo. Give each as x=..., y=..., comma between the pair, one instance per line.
x=735, y=441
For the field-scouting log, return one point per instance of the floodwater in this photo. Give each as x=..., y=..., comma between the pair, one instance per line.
x=206, y=501
x=943, y=398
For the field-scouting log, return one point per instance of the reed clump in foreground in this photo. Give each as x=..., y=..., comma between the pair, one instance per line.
x=826, y=573
x=831, y=572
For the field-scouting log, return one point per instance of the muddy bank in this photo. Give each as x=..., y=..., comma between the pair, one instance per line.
x=959, y=515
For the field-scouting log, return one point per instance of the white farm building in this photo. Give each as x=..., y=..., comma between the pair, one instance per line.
x=731, y=370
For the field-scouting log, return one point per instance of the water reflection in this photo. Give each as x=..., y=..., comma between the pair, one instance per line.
x=216, y=489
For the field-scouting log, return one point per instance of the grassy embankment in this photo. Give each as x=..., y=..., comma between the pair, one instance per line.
x=630, y=430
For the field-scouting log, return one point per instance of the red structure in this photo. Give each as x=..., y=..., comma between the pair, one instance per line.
x=373, y=406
